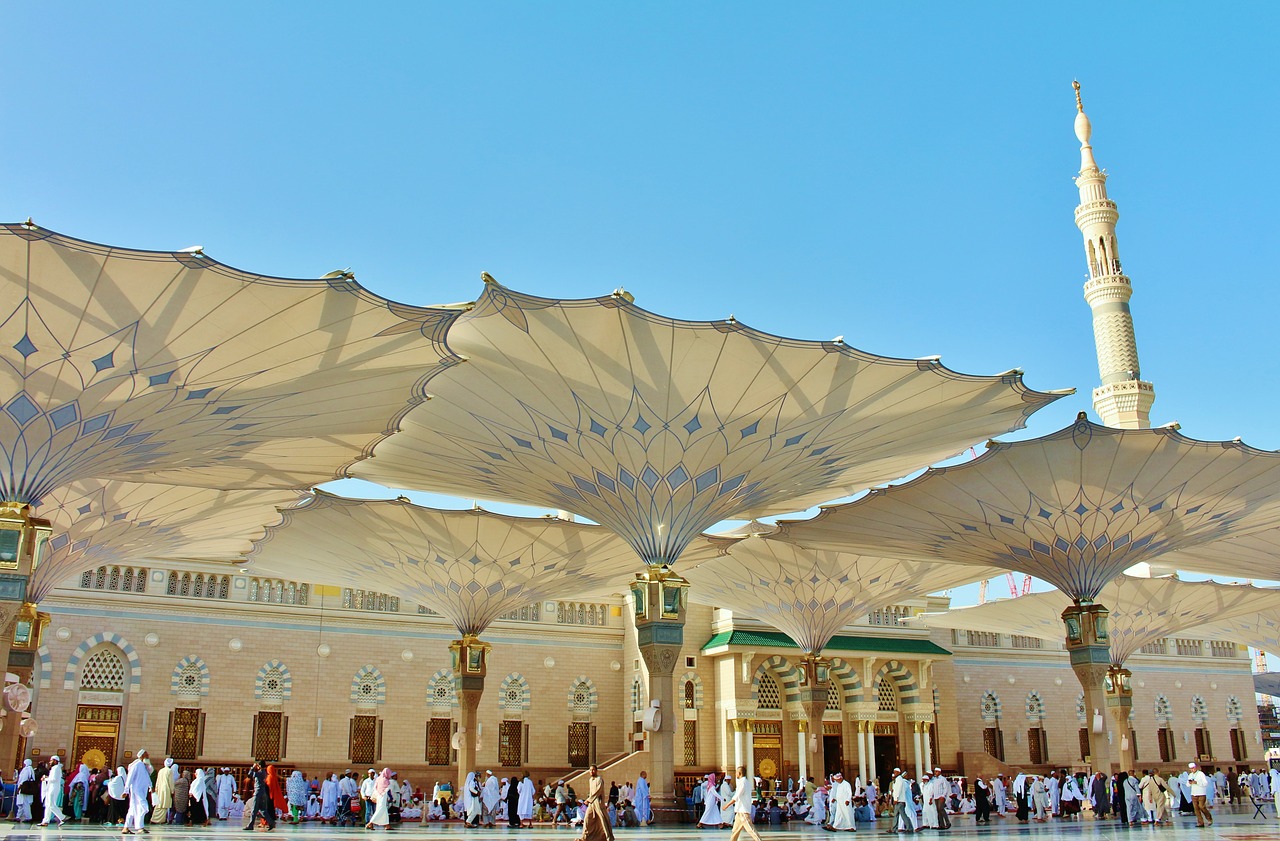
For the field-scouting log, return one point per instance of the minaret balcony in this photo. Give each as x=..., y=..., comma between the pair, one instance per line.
x=1107, y=288
x=1099, y=212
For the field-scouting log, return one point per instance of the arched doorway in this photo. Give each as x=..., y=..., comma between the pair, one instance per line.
x=99, y=708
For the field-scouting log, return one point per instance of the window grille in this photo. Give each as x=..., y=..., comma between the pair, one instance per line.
x=886, y=696
x=767, y=693
x=103, y=672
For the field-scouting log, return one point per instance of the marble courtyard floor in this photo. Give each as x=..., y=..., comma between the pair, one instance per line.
x=1233, y=823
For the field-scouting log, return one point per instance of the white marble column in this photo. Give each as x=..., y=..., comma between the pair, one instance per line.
x=862, y=751
x=928, y=746
x=750, y=737
x=801, y=735
x=915, y=738
x=739, y=758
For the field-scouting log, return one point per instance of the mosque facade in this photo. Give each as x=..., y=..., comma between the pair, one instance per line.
x=216, y=668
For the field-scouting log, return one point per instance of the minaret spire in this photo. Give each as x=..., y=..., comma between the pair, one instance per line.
x=1124, y=399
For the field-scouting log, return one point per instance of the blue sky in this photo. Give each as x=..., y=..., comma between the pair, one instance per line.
x=896, y=174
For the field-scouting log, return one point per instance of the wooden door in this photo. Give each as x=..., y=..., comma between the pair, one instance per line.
x=768, y=755
x=97, y=731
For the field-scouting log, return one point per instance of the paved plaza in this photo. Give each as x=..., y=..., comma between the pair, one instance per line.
x=1236, y=823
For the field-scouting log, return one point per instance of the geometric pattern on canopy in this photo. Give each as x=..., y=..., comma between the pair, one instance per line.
x=1142, y=610
x=99, y=522
x=470, y=566
x=171, y=367
x=1259, y=630
x=659, y=428
x=1076, y=507
x=1256, y=555
x=811, y=594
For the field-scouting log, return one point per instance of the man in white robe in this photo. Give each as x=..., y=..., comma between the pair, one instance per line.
x=1054, y=786
x=138, y=786
x=51, y=793
x=928, y=814
x=1002, y=794
x=741, y=802
x=842, y=817
x=329, y=799
x=524, y=808
x=490, y=797
x=226, y=791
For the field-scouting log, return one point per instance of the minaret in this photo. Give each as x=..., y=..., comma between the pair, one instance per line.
x=1124, y=399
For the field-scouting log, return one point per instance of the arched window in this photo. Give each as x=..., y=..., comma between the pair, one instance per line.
x=688, y=695
x=560, y=612
x=582, y=697
x=100, y=583
x=835, y=697
x=172, y=587
x=86, y=579
x=635, y=695
x=254, y=588
x=197, y=588
x=886, y=696
x=273, y=686
x=184, y=585
x=582, y=615
x=591, y=615
x=189, y=682
x=113, y=583
x=767, y=693
x=103, y=672
x=126, y=581
x=140, y=582
x=224, y=587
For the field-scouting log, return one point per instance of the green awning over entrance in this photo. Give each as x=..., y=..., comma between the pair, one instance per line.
x=879, y=645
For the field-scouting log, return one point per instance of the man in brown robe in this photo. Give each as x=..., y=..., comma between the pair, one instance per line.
x=595, y=826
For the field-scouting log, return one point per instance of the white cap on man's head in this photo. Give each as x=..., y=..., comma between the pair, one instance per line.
x=1191, y=765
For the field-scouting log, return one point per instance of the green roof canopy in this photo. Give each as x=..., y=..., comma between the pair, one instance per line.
x=774, y=639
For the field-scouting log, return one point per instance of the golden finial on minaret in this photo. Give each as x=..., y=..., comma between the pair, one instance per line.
x=1079, y=105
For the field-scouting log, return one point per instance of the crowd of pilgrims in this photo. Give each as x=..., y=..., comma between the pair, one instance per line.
x=144, y=794
x=837, y=804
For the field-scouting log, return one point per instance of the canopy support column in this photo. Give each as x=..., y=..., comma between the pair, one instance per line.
x=1119, y=694
x=470, y=665
x=660, y=600
x=813, y=697
x=802, y=730
x=24, y=541
x=1089, y=645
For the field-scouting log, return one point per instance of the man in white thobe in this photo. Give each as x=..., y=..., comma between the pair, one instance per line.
x=226, y=788
x=741, y=803
x=490, y=797
x=842, y=817
x=1273, y=780
x=524, y=808
x=51, y=793
x=1002, y=794
x=138, y=786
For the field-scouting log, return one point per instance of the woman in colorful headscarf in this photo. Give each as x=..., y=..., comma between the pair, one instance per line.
x=296, y=791
x=710, y=804
x=78, y=798
x=276, y=798
x=381, y=796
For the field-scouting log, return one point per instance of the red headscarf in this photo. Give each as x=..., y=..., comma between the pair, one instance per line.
x=273, y=787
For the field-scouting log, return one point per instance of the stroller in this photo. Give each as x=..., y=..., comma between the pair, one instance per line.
x=351, y=812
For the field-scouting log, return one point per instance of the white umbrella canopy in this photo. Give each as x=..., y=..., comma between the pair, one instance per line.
x=811, y=594
x=1255, y=555
x=1076, y=507
x=660, y=428
x=1142, y=610
x=170, y=367
x=97, y=522
x=470, y=566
